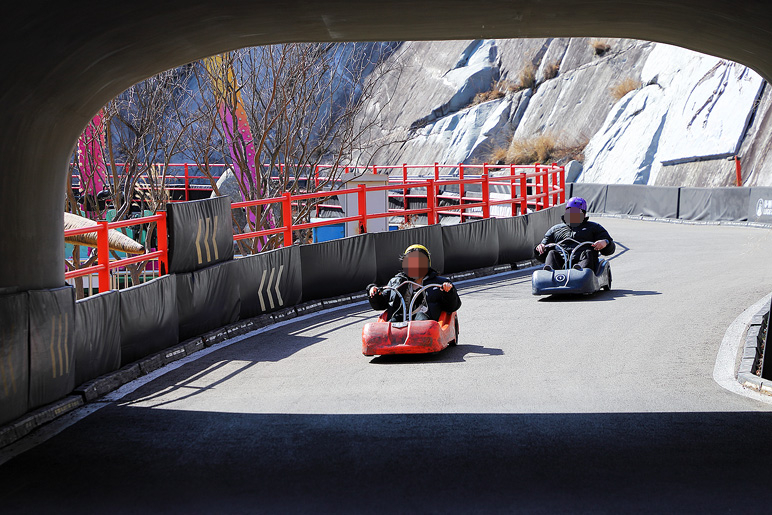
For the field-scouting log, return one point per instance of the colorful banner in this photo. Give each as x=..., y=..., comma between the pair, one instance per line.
x=237, y=131
x=91, y=161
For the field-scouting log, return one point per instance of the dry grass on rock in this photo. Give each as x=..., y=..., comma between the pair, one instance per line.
x=542, y=148
x=623, y=87
x=499, y=89
x=599, y=47
x=551, y=70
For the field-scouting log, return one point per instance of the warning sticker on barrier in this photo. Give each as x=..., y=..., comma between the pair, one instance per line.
x=51, y=345
x=200, y=233
x=14, y=356
x=97, y=336
x=760, y=205
x=269, y=281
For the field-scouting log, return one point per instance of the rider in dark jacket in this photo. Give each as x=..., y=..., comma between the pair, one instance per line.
x=416, y=264
x=579, y=228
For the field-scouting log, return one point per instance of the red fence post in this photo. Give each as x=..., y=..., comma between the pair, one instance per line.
x=103, y=256
x=523, y=193
x=554, y=180
x=738, y=170
x=461, y=190
x=375, y=169
x=431, y=202
x=486, y=193
x=512, y=189
x=436, y=171
x=545, y=181
x=404, y=190
x=286, y=214
x=362, y=207
x=562, y=173
x=187, y=194
x=163, y=243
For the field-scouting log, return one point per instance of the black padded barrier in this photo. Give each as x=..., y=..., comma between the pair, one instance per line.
x=269, y=281
x=389, y=246
x=540, y=221
x=149, y=321
x=514, y=242
x=470, y=245
x=97, y=336
x=594, y=194
x=207, y=299
x=714, y=204
x=642, y=200
x=337, y=267
x=200, y=233
x=51, y=345
x=14, y=356
x=760, y=204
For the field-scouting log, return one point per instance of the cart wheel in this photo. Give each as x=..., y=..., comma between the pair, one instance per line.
x=455, y=342
x=608, y=287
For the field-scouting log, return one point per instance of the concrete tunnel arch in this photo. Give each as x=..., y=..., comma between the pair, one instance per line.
x=63, y=62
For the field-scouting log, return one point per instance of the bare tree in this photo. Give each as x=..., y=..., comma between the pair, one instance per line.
x=303, y=105
x=143, y=129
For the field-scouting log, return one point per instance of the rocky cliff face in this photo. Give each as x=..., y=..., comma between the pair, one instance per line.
x=684, y=115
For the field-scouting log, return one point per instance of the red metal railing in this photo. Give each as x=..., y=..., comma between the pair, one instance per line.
x=104, y=265
x=537, y=186
x=181, y=182
x=547, y=183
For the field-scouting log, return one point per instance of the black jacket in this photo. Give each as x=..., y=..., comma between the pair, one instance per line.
x=585, y=231
x=437, y=300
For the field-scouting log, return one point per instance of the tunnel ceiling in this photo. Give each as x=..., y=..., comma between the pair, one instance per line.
x=78, y=55
x=63, y=62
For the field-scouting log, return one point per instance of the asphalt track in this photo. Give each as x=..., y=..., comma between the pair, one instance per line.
x=593, y=404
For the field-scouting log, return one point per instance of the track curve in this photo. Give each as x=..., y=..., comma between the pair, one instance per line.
x=546, y=404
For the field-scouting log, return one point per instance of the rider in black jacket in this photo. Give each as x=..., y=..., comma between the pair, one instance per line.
x=579, y=228
x=416, y=265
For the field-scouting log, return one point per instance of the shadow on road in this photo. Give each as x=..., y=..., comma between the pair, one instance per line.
x=454, y=354
x=600, y=296
x=138, y=460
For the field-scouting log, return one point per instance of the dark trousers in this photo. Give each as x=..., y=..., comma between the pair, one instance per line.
x=397, y=317
x=588, y=258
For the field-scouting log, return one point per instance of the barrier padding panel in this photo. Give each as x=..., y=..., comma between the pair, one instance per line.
x=149, y=321
x=594, y=194
x=51, y=345
x=97, y=336
x=200, y=233
x=270, y=281
x=208, y=299
x=470, y=245
x=714, y=204
x=389, y=246
x=760, y=205
x=642, y=200
x=539, y=223
x=514, y=242
x=14, y=356
x=336, y=267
